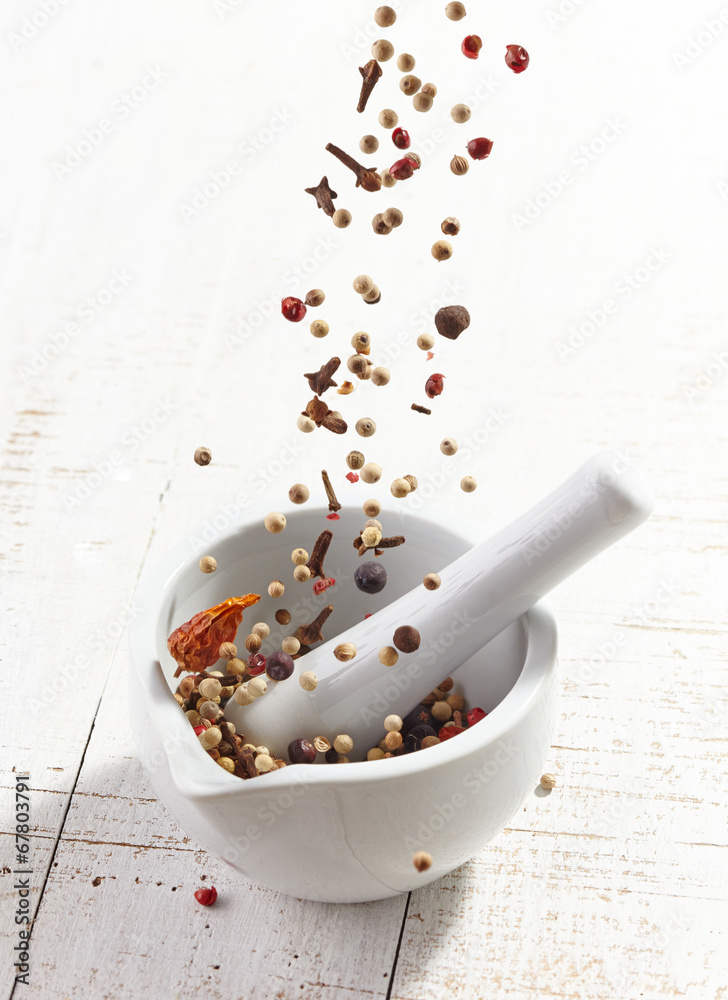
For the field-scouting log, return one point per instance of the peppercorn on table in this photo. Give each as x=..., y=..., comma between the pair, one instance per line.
x=155, y=213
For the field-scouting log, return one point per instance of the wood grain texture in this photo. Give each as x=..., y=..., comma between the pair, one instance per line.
x=598, y=321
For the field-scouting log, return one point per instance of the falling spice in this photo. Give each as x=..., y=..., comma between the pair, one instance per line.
x=420, y=409
x=203, y=456
x=422, y=861
x=334, y=504
x=324, y=196
x=318, y=554
x=370, y=74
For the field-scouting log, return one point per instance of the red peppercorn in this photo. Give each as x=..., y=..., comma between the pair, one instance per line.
x=403, y=168
x=517, y=58
x=293, y=309
x=256, y=664
x=401, y=138
x=480, y=148
x=430, y=355
x=321, y=585
x=475, y=715
x=206, y=897
x=368, y=616
x=198, y=729
x=447, y=732
x=471, y=46
x=333, y=517
x=434, y=386
x=353, y=477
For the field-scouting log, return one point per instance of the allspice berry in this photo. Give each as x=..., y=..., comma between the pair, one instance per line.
x=362, y=284
x=448, y=446
x=365, y=427
x=305, y=424
x=410, y=84
x=282, y=615
x=460, y=113
x=425, y=341
x=228, y=650
x=405, y=62
x=345, y=651
x=406, y=639
x=355, y=460
x=441, y=250
x=385, y=17
x=371, y=473
x=341, y=218
x=308, y=680
x=369, y=144
x=548, y=781
x=387, y=117
x=208, y=564
x=455, y=11
x=361, y=342
x=422, y=102
x=468, y=484
x=301, y=574
x=429, y=88
x=319, y=328
x=422, y=860
x=315, y=297
x=298, y=493
x=450, y=321
x=381, y=376
x=372, y=507
x=380, y=227
x=431, y=581
x=203, y=456
x=393, y=217
x=276, y=589
x=275, y=522
x=400, y=488
x=382, y=50
x=387, y=180
x=459, y=165
x=450, y=226
x=388, y=656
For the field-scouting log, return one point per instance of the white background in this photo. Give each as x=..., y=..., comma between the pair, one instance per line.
x=613, y=886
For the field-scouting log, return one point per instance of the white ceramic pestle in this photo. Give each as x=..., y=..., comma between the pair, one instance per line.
x=481, y=593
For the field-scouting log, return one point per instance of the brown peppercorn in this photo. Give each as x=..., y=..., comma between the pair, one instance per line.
x=282, y=615
x=460, y=113
x=387, y=117
x=448, y=446
x=319, y=328
x=451, y=321
x=208, y=564
x=298, y=493
x=275, y=522
x=276, y=589
x=372, y=507
x=468, y=484
x=388, y=656
x=359, y=365
x=362, y=284
x=459, y=165
x=405, y=62
x=393, y=217
x=441, y=250
x=345, y=651
x=422, y=102
x=429, y=88
x=315, y=297
x=410, y=84
x=365, y=427
x=548, y=781
x=380, y=227
x=422, y=861
x=253, y=642
x=341, y=218
x=355, y=460
x=455, y=11
x=456, y=702
x=406, y=639
x=385, y=17
x=450, y=226
x=380, y=376
x=301, y=574
x=369, y=144
x=393, y=741
x=203, y=456
x=387, y=180
x=382, y=50
x=447, y=684
x=361, y=342
x=425, y=341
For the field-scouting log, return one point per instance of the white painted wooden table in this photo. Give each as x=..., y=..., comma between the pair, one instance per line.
x=151, y=216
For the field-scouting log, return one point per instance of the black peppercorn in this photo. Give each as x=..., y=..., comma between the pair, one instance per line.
x=370, y=577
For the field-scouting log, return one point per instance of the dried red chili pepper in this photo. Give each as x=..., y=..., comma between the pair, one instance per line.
x=196, y=644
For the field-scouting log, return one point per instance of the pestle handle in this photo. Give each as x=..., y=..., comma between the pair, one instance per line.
x=482, y=592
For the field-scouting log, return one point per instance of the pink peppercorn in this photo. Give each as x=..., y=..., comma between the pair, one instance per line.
x=206, y=897
x=293, y=309
x=333, y=517
x=447, y=732
x=256, y=664
x=353, y=477
x=475, y=715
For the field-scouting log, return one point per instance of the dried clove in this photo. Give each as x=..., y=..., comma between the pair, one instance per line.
x=318, y=411
x=383, y=543
x=368, y=179
x=324, y=195
x=370, y=74
x=320, y=548
x=334, y=504
x=309, y=634
x=321, y=380
x=420, y=409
